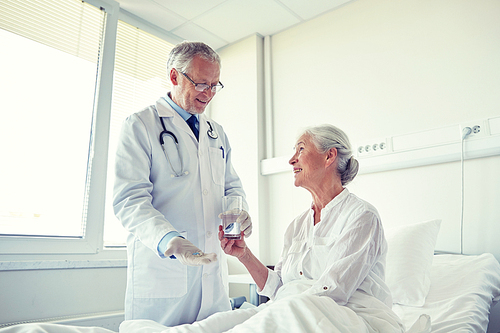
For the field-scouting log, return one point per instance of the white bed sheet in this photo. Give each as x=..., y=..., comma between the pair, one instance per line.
x=462, y=291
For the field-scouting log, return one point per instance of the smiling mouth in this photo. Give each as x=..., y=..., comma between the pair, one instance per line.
x=204, y=102
x=297, y=170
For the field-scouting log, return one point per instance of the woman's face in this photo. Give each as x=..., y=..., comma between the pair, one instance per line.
x=309, y=165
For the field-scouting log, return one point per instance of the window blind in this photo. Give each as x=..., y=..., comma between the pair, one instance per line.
x=71, y=26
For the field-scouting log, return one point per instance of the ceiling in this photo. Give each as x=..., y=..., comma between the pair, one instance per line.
x=222, y=22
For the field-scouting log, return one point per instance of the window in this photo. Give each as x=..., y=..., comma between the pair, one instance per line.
x=63, y=113
x=50, y=55
x=140, y=78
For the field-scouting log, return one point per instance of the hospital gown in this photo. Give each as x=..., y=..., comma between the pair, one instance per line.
x=344, y=252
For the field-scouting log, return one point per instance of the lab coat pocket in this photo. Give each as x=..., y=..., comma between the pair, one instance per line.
x=218, y=164
x=155, y=277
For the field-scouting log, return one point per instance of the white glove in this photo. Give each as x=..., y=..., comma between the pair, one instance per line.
x=245, y=223
x=187, y=253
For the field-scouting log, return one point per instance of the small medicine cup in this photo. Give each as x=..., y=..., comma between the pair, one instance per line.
x=231, y=209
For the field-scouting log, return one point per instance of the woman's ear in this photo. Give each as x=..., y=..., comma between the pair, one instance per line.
x=331, y=156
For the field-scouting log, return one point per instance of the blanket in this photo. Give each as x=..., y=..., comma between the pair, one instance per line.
x=293, y=311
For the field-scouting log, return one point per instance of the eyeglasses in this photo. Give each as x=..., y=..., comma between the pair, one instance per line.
x=202, y=86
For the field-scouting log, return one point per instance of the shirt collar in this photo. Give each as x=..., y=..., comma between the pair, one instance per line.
x=183, y=113
x=335, y=201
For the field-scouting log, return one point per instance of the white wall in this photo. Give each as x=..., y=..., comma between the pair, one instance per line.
x=239, y=109
x=40, y=294
x=388, y=67
x=377, y=68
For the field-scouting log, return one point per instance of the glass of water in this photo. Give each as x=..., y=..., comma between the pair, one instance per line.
x=231, y=209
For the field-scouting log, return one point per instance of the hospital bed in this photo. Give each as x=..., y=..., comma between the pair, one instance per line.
x=455, y=291
x=441, y=293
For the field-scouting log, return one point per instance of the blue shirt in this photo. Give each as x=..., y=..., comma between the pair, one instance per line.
x=183, y=113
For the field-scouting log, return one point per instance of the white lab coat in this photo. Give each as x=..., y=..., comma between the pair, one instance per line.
x=150, y=202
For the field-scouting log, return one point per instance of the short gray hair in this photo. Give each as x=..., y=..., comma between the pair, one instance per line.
x=183, y=53
x=326, y=137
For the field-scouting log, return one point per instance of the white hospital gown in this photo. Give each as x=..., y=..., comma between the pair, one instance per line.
x=342, y=257
x=344, y=252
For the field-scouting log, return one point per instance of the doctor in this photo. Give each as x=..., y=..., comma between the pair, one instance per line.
x=173, y=165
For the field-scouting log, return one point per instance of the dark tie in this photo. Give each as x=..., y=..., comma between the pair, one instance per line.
x=192, y=123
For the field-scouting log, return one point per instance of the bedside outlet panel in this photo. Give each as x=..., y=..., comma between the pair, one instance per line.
x=373, y=148
x=478, y=128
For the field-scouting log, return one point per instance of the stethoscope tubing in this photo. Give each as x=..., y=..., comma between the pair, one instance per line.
x=210, y=133
x=176, y=141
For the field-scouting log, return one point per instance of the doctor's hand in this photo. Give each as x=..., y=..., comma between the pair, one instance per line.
x=234, y=247
x=187, y=253
x=245, y=222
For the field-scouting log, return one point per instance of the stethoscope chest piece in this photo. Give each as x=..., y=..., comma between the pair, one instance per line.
x=185, y=173
x=211, y=132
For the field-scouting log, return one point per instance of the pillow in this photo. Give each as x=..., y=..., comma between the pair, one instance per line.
x=409, y=260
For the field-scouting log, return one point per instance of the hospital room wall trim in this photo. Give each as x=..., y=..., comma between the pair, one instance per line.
x=438, y=149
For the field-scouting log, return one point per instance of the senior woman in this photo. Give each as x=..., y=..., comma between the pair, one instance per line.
x=330, y=277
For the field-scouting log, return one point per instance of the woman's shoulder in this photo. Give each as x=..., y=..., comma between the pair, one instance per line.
x=359, y=206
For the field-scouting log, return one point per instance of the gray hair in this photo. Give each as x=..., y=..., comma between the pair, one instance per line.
x=183, y=53
x=326, y=137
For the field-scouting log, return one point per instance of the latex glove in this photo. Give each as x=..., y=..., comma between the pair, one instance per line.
x=245, y=222
x=187, y=253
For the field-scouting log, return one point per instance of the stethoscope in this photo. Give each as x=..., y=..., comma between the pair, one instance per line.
x=211, y=133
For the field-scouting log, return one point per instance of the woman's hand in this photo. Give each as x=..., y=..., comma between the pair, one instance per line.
x=234, y=247
x=239, y=249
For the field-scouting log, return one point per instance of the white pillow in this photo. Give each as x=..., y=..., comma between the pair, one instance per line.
x=409, y=259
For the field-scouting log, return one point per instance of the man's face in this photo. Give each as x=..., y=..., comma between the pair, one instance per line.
x=184, y=93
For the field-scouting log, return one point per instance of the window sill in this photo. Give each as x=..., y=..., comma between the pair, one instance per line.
x=108, y=258
x=61, y=264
